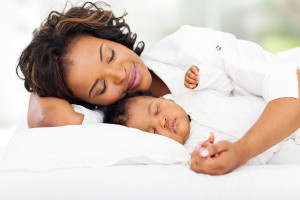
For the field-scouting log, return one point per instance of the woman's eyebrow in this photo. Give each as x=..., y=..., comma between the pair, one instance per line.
x=91, y=90
x=100, y=50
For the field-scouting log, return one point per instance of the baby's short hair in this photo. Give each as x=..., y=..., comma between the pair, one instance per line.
x=117, y=113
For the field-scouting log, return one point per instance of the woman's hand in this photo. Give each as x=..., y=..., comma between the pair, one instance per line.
x=51, y=111
x=223, y=157
x=191, y=80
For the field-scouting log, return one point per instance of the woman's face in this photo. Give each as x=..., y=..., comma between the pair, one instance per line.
x=101, y=71
x=159, y=116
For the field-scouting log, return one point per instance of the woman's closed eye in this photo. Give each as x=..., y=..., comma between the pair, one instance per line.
x=112, y=56
x=101, y=91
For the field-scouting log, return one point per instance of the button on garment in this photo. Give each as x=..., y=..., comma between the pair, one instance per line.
x=218, y=48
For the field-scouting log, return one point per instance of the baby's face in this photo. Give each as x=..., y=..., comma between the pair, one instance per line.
x=159, y=116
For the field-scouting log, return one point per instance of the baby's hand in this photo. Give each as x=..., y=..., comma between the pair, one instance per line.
x=191, y=77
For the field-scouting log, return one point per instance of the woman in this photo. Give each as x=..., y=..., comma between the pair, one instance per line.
x=86, y=56
x=86, y=33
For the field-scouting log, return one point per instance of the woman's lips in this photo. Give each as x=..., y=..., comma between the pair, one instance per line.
x=134, y=79
x=173, y=125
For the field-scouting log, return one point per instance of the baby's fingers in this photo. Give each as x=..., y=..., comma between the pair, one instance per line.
x=191, y=78
x=194, y=69
x=188, y=85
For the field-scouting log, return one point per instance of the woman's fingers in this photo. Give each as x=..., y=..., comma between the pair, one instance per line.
x=210, y=149
x=218, y=147
x=227, y=159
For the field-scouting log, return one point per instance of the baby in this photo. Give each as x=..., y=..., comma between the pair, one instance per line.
x=155, y=115
x=151, y=114
x=160, y=116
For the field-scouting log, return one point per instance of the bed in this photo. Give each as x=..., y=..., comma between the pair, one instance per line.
x=106, y=161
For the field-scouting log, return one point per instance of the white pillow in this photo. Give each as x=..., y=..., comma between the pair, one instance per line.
x=90, y=146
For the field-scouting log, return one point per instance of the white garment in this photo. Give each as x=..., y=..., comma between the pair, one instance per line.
x=289, y=153
x=90, y=116
x=240, y=67
x=235, y=84
x=229, y=117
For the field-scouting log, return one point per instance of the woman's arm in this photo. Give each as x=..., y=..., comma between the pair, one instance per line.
x=280, y=119
x=50, y=111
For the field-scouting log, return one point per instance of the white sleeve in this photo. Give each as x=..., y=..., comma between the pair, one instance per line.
x=255, y=70
x=90, y=116
x=213, y=78
x=220, y=55
x=182, y=51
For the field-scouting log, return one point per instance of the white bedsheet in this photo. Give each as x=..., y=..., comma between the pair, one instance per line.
x=80, y=179
x=153, y=182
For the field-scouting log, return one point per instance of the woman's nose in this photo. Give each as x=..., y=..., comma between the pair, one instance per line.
x=118, y=74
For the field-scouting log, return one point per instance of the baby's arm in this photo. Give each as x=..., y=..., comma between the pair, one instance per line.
x=191, y=77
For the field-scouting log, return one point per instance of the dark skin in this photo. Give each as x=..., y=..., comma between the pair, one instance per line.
x=95, y=61
x=51, y=111
x=158, y=87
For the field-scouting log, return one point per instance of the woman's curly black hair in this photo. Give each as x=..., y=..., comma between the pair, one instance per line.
x=43, y=62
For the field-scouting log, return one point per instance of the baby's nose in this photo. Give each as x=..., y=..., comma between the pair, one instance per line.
x=163, y=123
